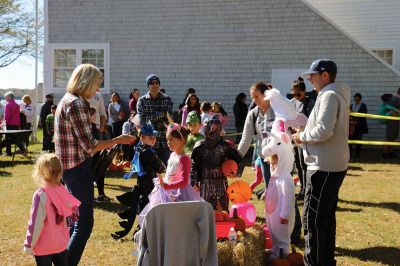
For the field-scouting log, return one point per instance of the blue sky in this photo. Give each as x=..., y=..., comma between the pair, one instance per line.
x=21, y=73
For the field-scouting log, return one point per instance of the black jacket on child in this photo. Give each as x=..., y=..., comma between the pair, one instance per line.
x=146, y=165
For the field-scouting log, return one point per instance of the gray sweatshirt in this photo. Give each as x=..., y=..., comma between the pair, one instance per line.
x=179, y=233
x=326, y=133
x=259, y=121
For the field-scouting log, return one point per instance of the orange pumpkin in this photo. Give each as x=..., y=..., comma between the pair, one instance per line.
x=239, y=191
x=229, y=168
x=281, y=261
x=295, y=258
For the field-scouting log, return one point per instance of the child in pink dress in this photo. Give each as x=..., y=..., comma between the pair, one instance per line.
x=175, y=185
x=48, y=233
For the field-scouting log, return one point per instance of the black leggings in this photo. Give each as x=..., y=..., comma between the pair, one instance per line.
x=59, y=259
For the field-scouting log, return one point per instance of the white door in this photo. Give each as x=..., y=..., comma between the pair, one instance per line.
x=282, y=79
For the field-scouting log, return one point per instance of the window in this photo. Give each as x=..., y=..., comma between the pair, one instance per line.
x=96, y=58
x=65, y=57
x=385, y=54
x=64, y=64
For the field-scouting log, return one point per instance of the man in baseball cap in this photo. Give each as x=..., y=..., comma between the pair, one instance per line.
x=326, y=154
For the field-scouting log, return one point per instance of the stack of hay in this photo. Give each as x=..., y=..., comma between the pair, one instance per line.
x=248, y=250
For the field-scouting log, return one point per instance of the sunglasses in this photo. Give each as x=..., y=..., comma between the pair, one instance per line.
x=296, y=94
x=154, y=83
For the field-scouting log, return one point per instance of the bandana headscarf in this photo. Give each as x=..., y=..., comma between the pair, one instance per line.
x=212, y=131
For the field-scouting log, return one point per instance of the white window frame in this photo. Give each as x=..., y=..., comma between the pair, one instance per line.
x=385, y=49
x=49, y=54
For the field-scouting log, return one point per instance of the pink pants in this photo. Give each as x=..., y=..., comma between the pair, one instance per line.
x=259, y=176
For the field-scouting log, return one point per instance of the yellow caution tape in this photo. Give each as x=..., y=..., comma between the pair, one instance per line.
x=366, y=142
x=374, y=116
x=371, y=142
x=232, y=134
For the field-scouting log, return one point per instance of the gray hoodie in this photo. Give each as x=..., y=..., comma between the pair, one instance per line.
x=326, y=133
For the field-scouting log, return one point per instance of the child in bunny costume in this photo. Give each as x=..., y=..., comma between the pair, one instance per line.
x=280, y=196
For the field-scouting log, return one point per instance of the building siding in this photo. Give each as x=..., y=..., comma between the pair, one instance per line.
x=217, y=47
x=376, y=24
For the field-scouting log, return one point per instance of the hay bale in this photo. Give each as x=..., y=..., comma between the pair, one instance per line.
x=225, y=253
x=248, y=250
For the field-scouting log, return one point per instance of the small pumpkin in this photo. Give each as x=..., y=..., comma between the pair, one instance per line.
x=225, y=216
x=281, y=261
x=219, y=214
x=295, y=258
x=229, y=168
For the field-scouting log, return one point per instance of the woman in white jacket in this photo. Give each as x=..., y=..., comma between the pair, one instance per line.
x=28, y=110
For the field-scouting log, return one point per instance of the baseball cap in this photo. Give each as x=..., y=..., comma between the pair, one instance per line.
x=321, y=65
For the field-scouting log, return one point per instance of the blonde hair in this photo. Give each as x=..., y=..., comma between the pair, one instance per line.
x=83, y=80
x=26, y=98
x=47, y=169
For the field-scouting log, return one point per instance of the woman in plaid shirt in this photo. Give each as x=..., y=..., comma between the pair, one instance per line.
x=74, y=145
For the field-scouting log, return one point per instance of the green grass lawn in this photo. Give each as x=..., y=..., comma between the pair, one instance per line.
x=367, y=218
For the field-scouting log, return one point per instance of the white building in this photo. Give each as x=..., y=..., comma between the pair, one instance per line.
x=217, y=47
x=374, y=23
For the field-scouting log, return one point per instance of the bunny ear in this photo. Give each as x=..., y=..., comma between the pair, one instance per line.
x=285, y=137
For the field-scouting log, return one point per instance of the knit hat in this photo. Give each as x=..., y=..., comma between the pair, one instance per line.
x=151, y=78
x=148, y=130
x=193, y=118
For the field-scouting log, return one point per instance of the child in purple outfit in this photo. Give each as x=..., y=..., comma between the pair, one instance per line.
x=175, y=185
x=48, y=233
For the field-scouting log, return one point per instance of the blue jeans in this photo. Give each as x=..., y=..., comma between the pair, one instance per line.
x=265, y=171
x=59, y=259
x=79, y=181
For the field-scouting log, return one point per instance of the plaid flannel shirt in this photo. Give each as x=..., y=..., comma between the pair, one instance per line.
x=154, y=110
x=73, y=138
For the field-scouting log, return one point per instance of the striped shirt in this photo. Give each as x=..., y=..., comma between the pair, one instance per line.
x=155, y=110
x=73, y=138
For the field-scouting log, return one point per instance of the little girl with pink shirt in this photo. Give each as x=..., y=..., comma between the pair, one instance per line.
x=47, y=236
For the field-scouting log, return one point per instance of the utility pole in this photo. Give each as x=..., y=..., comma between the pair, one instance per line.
x=35, y=124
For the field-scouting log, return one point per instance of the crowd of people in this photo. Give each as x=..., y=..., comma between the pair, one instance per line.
x=191, y=150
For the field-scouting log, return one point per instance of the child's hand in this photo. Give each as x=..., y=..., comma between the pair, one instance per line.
x=197, y=188
x=284, y=221
x=161, y=180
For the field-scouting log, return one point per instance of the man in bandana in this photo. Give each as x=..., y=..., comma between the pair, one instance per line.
x=207, y=157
